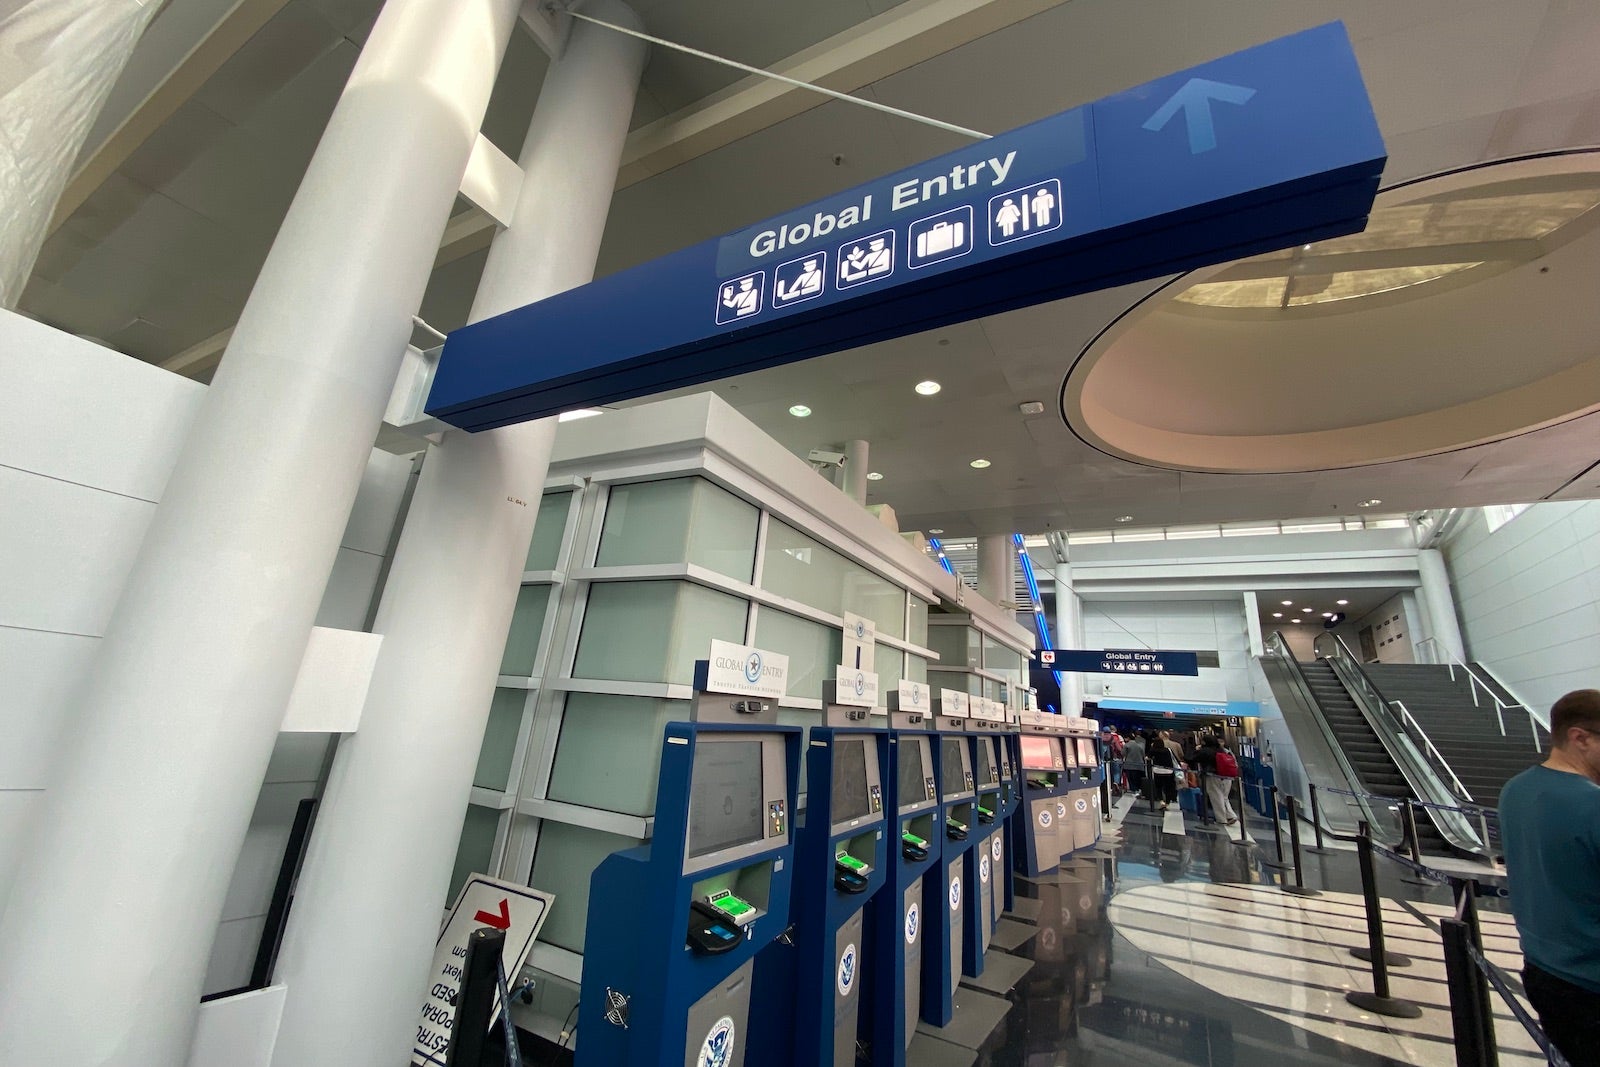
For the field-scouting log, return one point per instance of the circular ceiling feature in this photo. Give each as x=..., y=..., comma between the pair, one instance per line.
x=1463, y=314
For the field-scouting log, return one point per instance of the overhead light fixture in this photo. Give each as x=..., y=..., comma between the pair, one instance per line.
x=1305, y=609
x=1327, y=614
x=1341, y=603
x=1031, y=407
x=1374, y=502
x=799, y=411
x=935, y=530
x=1288, y=603
x=874, y=476
x=1296, y=620
x=1277, y=614
x=578, y=413
x=928, y=388
x=978, y=464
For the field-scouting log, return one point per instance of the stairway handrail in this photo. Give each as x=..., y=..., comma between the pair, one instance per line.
x=1536, y=717
x=1278, y=645
x=1409, y=722
x=1423, y=775
x=1440, y=656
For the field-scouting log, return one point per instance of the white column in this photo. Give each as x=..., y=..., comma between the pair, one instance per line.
x=58, y=60
x=856, y=459
x=176, y=717
x=1252, y=623
x=367, y=909
x=1440, y=605
x=996, y=569
x=1068, y=634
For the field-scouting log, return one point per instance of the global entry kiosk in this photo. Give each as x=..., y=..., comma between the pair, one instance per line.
x=765, y=926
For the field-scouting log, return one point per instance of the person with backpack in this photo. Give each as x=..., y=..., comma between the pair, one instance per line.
x=1220, y=769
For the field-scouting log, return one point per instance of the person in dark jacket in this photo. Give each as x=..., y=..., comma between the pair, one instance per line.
x=1165, y=765
x=1133, y=763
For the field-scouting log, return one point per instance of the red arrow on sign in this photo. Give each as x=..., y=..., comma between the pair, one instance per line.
x=499, y=922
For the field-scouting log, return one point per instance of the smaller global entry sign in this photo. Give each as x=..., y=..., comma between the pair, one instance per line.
x=1269, y=147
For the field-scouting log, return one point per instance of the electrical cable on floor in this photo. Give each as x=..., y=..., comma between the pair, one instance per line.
x=797, y=83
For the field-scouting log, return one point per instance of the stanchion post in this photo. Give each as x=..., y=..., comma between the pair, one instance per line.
x=1238, y=788
x=1105, y=794
x=469, y=1032
x=1299, y=888
x=1150, y=782
x=1316, y=821
x=1379, y=1000
x=1467, y=910
x=1277, y=835
x=1467, y=1014
x=1408, y=816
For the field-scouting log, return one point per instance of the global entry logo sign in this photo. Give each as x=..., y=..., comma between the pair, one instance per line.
x=752, y=668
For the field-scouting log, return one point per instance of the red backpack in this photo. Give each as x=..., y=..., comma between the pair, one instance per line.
x=1227, y=766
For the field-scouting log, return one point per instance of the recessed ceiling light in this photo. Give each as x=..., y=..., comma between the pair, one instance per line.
x=1327, y=614
x=1277, y=614
x=1288, y=603
x=874, y=476
x=928, y=388
x=1031, y=407
x=1305, y=609
x=799, y=411
x=1374, y=502
x=935, y=530
x=1341, y=603
x=1124, y=518
x=578, y=413
x=979, y=464
x=1296, y=620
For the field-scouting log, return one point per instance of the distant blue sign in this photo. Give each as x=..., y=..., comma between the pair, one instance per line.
x=1266, y=148
x=1120, y=661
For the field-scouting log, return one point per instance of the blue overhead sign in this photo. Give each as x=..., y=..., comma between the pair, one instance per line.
x=1269, y=147
x=1119, y=661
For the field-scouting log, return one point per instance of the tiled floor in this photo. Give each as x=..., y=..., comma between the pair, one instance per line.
x=1174, y=948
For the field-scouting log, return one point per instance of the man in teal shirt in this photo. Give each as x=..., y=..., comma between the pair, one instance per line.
x=1550, y=826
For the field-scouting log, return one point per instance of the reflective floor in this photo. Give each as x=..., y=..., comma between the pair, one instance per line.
x=1179, y=948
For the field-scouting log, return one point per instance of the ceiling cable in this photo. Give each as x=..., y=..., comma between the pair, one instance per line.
x=798, y=84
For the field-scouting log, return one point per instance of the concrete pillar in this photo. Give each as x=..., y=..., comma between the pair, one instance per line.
x=997, y=568
x=1252, y=623
x=58, y=60
x=367, y=909
x=1068, y=634
x=855, y=471
x=1440, y=607
x=136, y=839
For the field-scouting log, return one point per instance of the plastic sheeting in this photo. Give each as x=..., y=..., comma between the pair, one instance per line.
x=58, y=60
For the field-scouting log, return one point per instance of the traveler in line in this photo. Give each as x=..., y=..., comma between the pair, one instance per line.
x=1219, y=775
x=1166, y=760
x=1550, y=823
x=1116, y=748
x=1133, y=763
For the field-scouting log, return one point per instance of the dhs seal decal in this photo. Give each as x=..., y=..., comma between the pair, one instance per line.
x=861, y=629
x=717, y=1049
x=995, y=848
x=861, y=684
x=1044, y=818
x=913, y=924
x=752, y=668
x=1081, y=804
x=847, y=970
x=955, y=893
x=983, y=870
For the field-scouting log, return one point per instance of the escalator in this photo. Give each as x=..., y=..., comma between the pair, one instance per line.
x=1375, y=769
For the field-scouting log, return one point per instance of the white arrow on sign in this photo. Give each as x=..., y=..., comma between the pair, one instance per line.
x=1194, y=100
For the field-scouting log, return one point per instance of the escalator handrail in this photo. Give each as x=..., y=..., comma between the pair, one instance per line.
x=1410, y=760
x=1278, y=646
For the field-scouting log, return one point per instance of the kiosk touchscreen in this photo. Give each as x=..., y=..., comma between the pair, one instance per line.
x=810, y=991
x=896, y=917
x=675, y=925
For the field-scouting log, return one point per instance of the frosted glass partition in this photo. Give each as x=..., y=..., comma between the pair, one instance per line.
x=549, y=530
x=958, y=646
x=813, y=649
x=500, y=738
x=610, y=751
x=890, y=663
x=527, y=626
x=999, y=659
x=917, y=629
x=802, y=569
x=566, y=857
x=476, y=847
x=916, y=669
x=653, y=631
x=805, y=720
x=680, y=520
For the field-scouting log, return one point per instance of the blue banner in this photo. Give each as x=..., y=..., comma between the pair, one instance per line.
x=1272, y=146
x=1120, y=661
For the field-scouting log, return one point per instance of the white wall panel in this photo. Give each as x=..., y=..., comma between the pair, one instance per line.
x=82, y=413
x=1529, y=598
x=233, y=953
x=257, y=870
x=16, y=807
x=350, y=587
x=64, y=550
x=39, y=669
